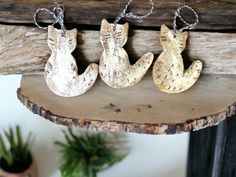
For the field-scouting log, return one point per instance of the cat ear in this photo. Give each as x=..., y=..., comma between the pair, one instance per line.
x=51, y=37
x=72, y=39
x=125, y=33
x=105, y=26
x=164, y=29
x=164, y=35
x=126, y=28
x=105, y=33
x=182, y=38
x=122, y=34
x=51, y=29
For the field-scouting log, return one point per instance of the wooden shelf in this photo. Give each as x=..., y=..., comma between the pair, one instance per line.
x=141, y=108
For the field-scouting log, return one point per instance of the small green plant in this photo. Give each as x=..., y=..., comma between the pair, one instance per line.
x=86, y=154
x=14, y=152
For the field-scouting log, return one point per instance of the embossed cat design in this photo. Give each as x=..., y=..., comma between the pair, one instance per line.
x=114, y=67
x=168, y=70
x=61, y=69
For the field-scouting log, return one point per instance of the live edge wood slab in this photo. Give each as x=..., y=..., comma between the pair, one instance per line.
x=141, y=108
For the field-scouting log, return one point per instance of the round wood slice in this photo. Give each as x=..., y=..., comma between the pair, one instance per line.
x=141, y=108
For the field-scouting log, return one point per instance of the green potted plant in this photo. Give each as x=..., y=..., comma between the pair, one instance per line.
x=86, y=154
x=15, y=157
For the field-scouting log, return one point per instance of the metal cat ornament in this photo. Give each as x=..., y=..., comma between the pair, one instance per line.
x=168, y=71
x=61, y=72
x=114, y=67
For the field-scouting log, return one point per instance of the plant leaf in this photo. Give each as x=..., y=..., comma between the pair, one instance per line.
x=86, y=154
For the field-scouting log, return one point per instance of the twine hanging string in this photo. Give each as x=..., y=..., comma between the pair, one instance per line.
x=188, y=25
x=131, y=14
x=57, y=13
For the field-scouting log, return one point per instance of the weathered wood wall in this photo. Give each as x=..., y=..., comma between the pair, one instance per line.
x=24, y=50
x=214, y=14
x=212, y=151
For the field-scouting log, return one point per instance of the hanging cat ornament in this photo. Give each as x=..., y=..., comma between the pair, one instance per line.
x=168, y=70
x=60, y=72
x=114, y=67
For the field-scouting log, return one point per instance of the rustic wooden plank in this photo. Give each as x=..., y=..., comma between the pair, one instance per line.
x=201, y=152
x=228, y=152
x=212, y=151
x=141, y=108
x=217, y=15
x=24, y=50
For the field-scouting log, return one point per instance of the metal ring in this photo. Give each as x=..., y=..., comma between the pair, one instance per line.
x=131, y=15
x=188, y=25
x=191, y=25
x=46, y=10
x=59, y=14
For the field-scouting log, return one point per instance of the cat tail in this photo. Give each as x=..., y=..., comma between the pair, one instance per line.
x=140, y=68
x=192, y=74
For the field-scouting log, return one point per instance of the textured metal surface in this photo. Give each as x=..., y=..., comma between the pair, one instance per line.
x=61, y=69
x=114, y=67
x=168, y=70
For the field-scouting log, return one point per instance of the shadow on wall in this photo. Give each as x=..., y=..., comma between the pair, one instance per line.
x=44, y=149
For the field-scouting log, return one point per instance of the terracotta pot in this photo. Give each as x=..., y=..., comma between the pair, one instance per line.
x=30, y=172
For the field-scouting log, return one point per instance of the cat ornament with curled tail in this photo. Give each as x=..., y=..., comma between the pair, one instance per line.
x=168, y=70
x=61, y=69
x=114, y=67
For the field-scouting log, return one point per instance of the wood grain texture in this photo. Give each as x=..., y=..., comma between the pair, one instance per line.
x=169, y=74
x=140, y=109
x=228, y=157
x=201, y=152
x=214, y=14
x=114, y=66
x=61, y=71
x=24, y=50
x=212, y=151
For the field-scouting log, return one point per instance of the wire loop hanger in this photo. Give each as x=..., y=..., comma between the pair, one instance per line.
x=124, y=13
x=188, y=25
x=57, y=13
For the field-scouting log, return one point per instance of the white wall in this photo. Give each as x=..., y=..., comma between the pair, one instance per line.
x=150, y=156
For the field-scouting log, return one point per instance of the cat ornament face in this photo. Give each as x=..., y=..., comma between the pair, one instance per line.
x=61, y=70
x=168, y=71
x=114, y=67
